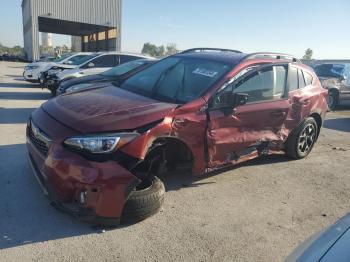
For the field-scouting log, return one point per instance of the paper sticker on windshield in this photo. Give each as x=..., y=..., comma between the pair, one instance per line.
x=205, y=72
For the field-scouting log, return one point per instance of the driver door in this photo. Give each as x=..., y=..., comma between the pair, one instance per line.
x=252, y=128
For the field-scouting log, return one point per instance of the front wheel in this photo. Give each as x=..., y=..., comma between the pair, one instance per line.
x=302, y=139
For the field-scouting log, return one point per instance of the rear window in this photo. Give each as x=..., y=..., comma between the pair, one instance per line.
x=301, y=79
x=308, y=78
x=124, y=68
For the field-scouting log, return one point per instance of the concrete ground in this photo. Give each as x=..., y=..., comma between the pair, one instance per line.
x=257, y=211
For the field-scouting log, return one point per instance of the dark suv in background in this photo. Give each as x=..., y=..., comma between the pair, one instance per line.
x=336, y=78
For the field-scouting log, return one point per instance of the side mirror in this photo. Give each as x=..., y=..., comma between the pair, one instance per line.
x=68, y=62
x=227, y=101
x=241, y=99
x=91, y=65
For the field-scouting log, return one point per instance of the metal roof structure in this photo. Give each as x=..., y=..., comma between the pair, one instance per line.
x=97, y=22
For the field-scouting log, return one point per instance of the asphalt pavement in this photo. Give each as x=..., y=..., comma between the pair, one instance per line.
x=257, y=211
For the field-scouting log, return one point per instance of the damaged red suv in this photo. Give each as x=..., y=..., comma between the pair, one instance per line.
x=96, y=153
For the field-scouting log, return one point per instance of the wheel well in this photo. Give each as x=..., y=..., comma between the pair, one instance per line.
x=318, y=120
x=167, y=152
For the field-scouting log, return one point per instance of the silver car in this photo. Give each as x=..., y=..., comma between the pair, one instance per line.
x=336, y=78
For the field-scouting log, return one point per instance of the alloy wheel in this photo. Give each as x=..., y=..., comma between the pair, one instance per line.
x=307, y=139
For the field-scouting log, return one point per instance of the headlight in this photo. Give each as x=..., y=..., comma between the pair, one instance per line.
x=101, y=143
x=77, y=87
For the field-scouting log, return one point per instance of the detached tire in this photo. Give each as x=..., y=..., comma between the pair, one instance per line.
x=143, y=202
x=302, y=139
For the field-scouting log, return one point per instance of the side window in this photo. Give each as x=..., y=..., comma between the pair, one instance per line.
x=292, y=79
x=308, y=78
x=127, y=58
x=301, y=79
x=104, y=61
x=76, y=58
x=265, y=84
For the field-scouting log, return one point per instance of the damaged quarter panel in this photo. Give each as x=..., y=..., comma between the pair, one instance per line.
x=185, y=123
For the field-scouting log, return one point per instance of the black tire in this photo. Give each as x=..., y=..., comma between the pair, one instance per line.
x=332, y=100
x=144, y=202
x=295, y=146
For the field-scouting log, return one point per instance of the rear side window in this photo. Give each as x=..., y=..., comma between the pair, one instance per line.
x=308, y=78
x=293, y=79
x=301, y=79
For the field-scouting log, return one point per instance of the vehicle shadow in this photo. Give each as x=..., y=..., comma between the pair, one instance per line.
x=25, y=213
x=339, y=124
x=25, y=95
x=176, y=180
x=19, y=85
x=15, y=115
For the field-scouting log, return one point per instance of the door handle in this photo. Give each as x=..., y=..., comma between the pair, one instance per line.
x=278, y=113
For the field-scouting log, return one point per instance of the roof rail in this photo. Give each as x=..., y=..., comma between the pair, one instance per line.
x=271, y=55
x=203, y=49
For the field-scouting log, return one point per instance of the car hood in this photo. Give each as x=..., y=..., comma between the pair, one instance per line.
x=106, y=109
x=40, y=64
x=329, y=81
x=331, y=244
x=68, y=73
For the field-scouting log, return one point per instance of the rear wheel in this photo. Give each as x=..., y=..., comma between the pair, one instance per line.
x=144, y=201
x=332, y=100
x=302, y=139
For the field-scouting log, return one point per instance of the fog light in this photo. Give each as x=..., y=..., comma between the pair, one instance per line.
x=82, y=197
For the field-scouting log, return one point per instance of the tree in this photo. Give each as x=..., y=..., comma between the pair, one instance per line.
x=171, y=49
x=308, y=54
x=159, y=51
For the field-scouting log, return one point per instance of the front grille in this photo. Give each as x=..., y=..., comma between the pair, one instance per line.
x=37, y=141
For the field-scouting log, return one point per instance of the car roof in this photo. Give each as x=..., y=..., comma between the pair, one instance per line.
x=122, y=53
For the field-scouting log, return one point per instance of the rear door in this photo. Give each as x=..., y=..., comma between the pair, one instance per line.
x=255, y=127
x=100, y=64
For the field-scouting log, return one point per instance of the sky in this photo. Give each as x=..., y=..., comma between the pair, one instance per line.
x=289, y=26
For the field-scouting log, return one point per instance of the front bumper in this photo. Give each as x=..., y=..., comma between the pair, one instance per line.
x=64, y=176
x=30, y=75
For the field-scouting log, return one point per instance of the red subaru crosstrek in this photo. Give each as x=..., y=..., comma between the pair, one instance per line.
x=96, y=153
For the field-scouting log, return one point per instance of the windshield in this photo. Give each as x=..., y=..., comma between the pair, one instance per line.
x=330, y=70
x=124, y=68
x=176, y=79
x=84, y=59
x=64, y=56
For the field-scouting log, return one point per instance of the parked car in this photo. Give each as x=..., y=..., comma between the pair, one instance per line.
x=101, y=62
x=336, y=78
x=32, y=71
x=50, y=71
x=117, y=74
x=97, y=154
x=329, y=245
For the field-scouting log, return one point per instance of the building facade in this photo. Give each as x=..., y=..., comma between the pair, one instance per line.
x=96, y=22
